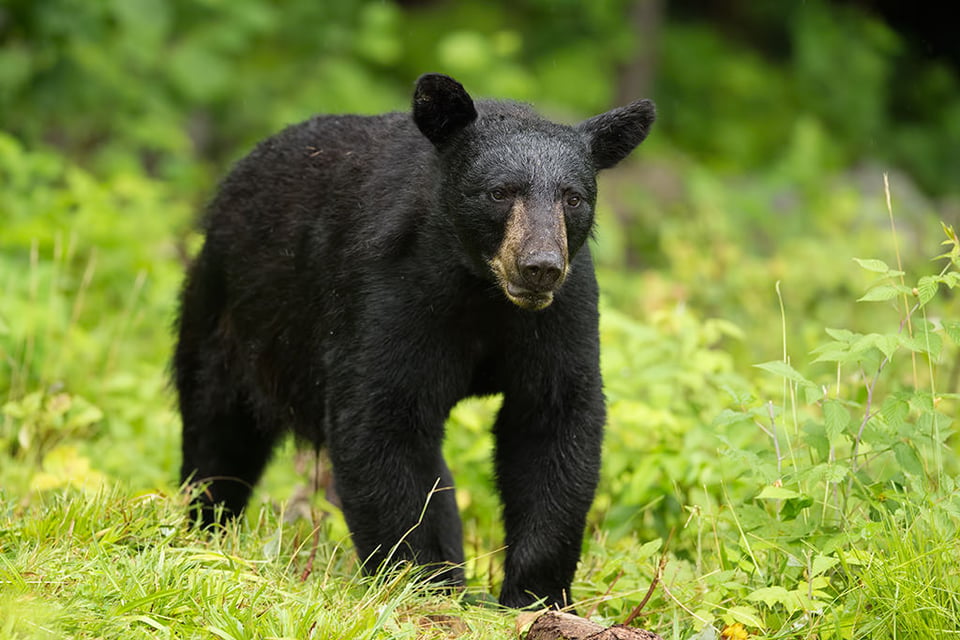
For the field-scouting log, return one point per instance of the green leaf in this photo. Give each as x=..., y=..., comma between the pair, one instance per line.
x=772, y=596
x=841, y=335
x=934, y=344
x=792, y=507
x=836, y=420
x=867, y=346
x=832, y=352
x=744, y=615
x=922, y=402
x=883, y=292
x=815, y=436
x=812, y=394
x=952, y=329
x=771, y=492
x=877, y=266
x=927, y=288
x=877, y=434
x=907, y=457
x=784, y=370
x=728, y=417
x=822, y=564
x=648, y=549
x=830, y=472
x=791, y=600
x=930, y=424
x=14, y=410
x=923, y=342
x=84, y=416
x=888, y=344
x=895, y=410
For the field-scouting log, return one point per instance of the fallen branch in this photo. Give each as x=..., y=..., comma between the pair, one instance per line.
x=557, y=625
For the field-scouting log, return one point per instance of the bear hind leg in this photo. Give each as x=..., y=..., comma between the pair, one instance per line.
x=225, y=448
x=224, y=455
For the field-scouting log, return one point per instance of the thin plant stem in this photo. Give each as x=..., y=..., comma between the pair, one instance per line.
x=776, y=440
x=896, y=249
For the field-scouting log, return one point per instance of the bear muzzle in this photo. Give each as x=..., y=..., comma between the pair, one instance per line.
x=532, y=260
x=531, y=280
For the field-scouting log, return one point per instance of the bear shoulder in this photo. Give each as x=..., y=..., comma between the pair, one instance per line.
x=325, y=163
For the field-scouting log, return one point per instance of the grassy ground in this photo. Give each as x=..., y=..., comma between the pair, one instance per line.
x=110, y=565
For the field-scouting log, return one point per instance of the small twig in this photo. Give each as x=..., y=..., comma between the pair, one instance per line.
x=313, y=554
x=653, y=584
x=867, y=412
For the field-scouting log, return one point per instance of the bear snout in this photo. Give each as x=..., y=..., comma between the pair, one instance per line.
x=532, y=261
x=541, y=270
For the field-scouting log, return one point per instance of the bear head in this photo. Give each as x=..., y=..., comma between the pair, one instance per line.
x=519, y=190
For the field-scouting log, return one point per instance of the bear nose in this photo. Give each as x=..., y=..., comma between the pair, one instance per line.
x=542, y=269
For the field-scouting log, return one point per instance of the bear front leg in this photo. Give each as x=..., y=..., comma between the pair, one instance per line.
x=397, y=495
x=547, y=462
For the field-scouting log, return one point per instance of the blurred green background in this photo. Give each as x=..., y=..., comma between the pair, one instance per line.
x=777, y=122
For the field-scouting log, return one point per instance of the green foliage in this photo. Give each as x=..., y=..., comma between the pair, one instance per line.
x=88, y=274
x=186, y=80
x=794, y=498
x=790, y=452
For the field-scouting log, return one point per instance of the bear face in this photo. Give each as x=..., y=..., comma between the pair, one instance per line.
x=520, y=193
x=519, y=190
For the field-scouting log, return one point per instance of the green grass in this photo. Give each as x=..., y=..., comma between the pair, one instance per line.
x=910, y=587
x=111, y=565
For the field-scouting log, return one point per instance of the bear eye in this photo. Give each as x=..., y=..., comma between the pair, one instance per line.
x=497, y=195
x=573, y=201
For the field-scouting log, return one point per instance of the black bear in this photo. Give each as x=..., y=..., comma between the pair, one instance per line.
x=362, y=274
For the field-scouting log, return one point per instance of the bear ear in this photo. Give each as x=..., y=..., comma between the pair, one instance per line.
x=441, y=107
x=611, y=136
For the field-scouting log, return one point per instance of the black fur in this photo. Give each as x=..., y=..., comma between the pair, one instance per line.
x=344, y=293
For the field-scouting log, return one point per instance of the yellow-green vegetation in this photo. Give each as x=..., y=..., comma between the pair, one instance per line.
x=780, y=327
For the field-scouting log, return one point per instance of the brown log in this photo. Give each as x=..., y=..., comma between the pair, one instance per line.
x=557, y=625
